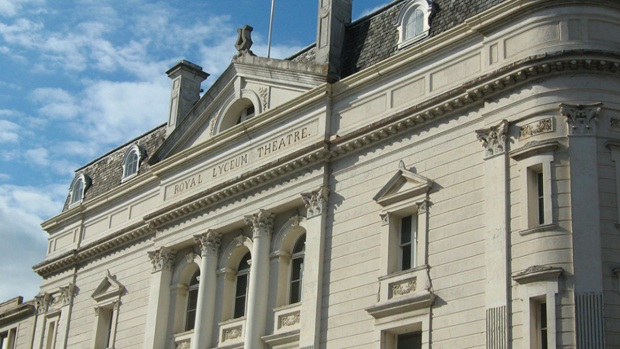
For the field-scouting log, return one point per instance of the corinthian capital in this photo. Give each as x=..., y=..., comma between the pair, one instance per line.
x=42, y=302
x=581, y=118
x=162, y=259
x=261, y=222
x=316, y=201
x=66, y=293
x=209, y=243
x=494, y=138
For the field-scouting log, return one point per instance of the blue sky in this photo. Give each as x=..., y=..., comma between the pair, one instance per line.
x=82, y=77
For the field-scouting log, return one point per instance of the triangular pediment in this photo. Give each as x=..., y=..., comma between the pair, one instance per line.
x=403, y=185
x=266, y=83
x=108, y=288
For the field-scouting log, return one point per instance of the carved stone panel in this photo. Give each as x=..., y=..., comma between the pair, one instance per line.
x=581, y=118
x=231, y=333
x=288, y=320
x=404, y=287
x=536, y=128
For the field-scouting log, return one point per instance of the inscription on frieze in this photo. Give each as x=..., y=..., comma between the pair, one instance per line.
x=536, y=128
x=258, y=152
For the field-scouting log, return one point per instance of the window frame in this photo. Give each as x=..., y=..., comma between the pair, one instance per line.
x=8, y=338
x=296, y=256
x=402, y=22
x=242, y=273
x=85, y=182
x=530, y=168
x=191, y=288
x=140, y=154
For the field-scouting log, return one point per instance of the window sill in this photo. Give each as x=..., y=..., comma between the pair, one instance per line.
x=406, y=43
x=537, y=229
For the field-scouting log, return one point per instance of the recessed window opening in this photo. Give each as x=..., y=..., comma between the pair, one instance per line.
x=132, y=164
x=51, y=335
x=192, y=301
x=408, y=226
x=409, y=341
x=246, y=114
x=297, y=269
x=542, y=325
x=415, y=24
x=540, y=197
x=78, y=192
x=109, y=329
x=241, y=287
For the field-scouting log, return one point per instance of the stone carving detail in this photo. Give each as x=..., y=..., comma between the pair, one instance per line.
x=244, y=41
x=494, y=138
x=581, y=119
x=66, y=293
x=288, y=320
x=422, y=207
x=263, y=92
x=316, y=201
x=404, y=288
x=42, y=301
x=535, y=128
x=295, y=219
x=385, y=219
x=535, y=269
x=209, y=242
x=231, y=333
x=190, y=257
x=162, y=259
x=261, y=222
x=614, y=124
x=239, y=240
x=183, y=345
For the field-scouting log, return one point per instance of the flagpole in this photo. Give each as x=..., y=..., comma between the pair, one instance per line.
x=270, y=29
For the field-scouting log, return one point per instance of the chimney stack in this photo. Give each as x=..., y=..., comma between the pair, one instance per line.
x=186, y=78
x=334, y=15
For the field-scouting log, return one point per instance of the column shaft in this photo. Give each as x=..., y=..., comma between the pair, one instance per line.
x=205, y=308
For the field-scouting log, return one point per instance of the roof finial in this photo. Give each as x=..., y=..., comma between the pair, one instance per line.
x=244, y=41
x=401, y=165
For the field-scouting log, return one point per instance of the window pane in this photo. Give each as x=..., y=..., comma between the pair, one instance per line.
x=541, y=198
x=419, y=22
x=190, y=320
x=300, y=245
x=244, y=262
x=194, y=280
x=239, y=307
x=410, y=341
x=406, y=257
x=241, y=285
x=77, y=192
x=405, y=230
x=295, y=292
x=298, y=264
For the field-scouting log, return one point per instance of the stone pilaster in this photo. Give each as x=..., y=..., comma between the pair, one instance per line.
x=334, y=15
x=311, y=293
x=209, y=244
x=262, y=228
x=162, y=261
x=581, y=119
x=497, y=239
x=65, y=295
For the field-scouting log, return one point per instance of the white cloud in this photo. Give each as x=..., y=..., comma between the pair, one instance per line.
x=4, y=176
x=23, y=241
x=8, y=132
x=373, y=9
x=39, y=156
x=58, y=104
x=10, y=8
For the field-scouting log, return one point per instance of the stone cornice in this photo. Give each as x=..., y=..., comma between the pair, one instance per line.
x=19, y=312
x=474, y=92
x=93, y=249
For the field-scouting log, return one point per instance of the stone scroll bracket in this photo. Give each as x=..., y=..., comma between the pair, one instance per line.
x=209, y=243
x=261, y=223
x=494, y=138
x=581, y=118
x=316, y=201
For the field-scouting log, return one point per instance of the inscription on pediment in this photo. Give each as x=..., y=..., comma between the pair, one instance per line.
x=258, y=152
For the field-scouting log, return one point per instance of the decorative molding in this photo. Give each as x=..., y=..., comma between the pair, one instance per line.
x=494, y=138
x=581, y=118
x=231, y=333
x=403, y=185
x=536, y=128
x=183, y=345
x=263, y=92
x=261, y=222
x=244, y=42
x=497, y=328
x=190, y=258
x=67, y=293
x=162, y=259
x=404, y=287
x=42, y=302
x=534, y=148
x=422, y=206
x=295, y=220
x=536, y=273
x=385, y=219
x=288, y=320
x=209, y=242
x=316, y=201
x=239, y=240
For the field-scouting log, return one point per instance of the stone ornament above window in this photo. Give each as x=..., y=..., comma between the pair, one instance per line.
x=413, y=22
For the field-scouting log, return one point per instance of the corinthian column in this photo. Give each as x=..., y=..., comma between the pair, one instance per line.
x=262, y=227
x=311, y=295
x=162, y=260
x=205, y=309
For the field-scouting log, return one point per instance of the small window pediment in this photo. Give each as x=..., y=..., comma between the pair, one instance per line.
x=403, y=185
x=108, y=288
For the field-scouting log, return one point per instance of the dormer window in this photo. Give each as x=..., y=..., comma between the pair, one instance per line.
x=131, y=162
x=413, y=22
x=78, y=188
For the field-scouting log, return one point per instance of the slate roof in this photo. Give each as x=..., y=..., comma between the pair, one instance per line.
x=106, y=171
x=368, y=41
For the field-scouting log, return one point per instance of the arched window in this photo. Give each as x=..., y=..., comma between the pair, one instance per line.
x=241, y=287
x=192, y=301
x=413, y=22
x=131, y=162
x=79, y=185
x=297, y=270
x=246, y=114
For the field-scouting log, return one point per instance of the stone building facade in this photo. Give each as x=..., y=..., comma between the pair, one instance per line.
x=439, y=174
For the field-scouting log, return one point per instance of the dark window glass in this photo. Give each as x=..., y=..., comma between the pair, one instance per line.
x=297, y=270
x=543, y=326
x=405, y=242
x=410, y=341
x=192, y=302
x=109, y=336
x=241, y=289
x=541, y=198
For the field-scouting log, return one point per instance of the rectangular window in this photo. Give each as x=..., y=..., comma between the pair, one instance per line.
x=541, y=197
x=409, y=341
x=541, y=325
x=536, y=196
x=190, y=313
x=4, y=340
x=50, y=341
x=408, y=227
x=105, y=327
x=240, y=295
